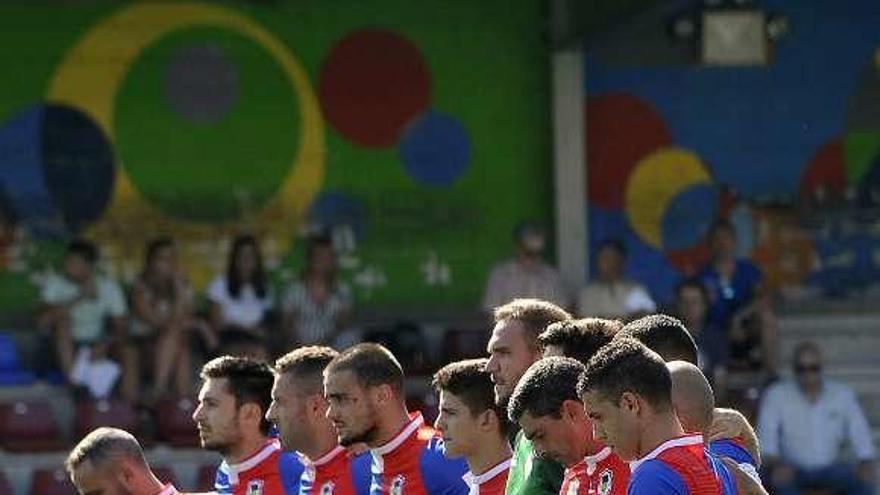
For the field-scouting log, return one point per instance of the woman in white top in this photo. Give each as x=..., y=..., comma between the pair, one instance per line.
x=162, y=317
x=241, y=299
x=316, y=307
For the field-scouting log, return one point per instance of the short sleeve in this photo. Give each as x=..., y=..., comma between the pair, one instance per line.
x=113, y=299
x=653, y=477
x=217, y=292
x=52, y=291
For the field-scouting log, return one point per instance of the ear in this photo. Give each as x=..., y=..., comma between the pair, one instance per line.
x=316, y=404
x=251, y=413
x=630, y=402
x=487, y=420
x=125, y=474
x=382, y=395
x=574, y=410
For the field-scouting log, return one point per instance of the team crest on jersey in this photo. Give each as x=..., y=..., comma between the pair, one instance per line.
x=327, y=488
x=573, y=487
x=605, y=481
x=255, y=487
x=397, y=485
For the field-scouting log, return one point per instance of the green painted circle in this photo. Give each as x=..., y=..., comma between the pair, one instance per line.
x=207, y=172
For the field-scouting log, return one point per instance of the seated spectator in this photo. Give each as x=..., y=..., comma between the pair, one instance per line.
x=77, y=305
x=316, y=308
x=804, y=423
x=162, y=317
x=240, y=299
x=691, y=306
x=526, y=275
x=739, y=304
x=611, y=295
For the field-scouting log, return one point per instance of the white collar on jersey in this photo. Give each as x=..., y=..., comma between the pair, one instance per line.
x=232, y=470
x=471, y=480
x=416, y=422
x=591, y=461
x=324, y=459
x=682, y=441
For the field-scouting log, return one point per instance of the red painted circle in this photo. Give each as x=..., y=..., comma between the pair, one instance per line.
x=371, y=85
x=621, y=129
x=825, y=172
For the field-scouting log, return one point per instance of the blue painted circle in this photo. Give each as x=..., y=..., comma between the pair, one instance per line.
x=57, y=171
x=689, y=215
x=78, y=165
x=435, y=150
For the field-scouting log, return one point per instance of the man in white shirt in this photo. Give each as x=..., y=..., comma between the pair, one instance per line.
x=77, y=306
x=611, y=294
x=803, y=426
x=526, y=275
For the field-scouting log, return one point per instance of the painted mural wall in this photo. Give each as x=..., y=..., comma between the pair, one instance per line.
x=417, y=131
x=790, y=153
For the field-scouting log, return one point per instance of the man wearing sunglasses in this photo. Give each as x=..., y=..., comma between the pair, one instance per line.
x=803, y=426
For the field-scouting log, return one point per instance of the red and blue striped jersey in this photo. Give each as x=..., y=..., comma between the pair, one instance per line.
x=268, y=472
x=603, y=473
x=411, y=464
x=681, y=466
x=336, y=473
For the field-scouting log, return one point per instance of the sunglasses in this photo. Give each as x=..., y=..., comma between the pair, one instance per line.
x=801, y=369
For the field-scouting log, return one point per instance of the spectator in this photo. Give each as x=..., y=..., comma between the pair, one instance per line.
x=691, y=306
x=803, y=425
x=738, y=303
x=526, y=275
x=77, y=305
x=611, y=295
x=316, y=308
x=240, y=300
x=162, y=317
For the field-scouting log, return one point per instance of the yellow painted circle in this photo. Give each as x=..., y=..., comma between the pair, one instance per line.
x=89, y=77
x=652, y=185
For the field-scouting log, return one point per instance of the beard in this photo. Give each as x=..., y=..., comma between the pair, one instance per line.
x=367, y=436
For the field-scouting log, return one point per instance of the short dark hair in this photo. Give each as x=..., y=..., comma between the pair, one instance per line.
x=84, y=249
x=615, y=245
x=805, y=347
x=307, y=365
x=372, y=364
x=102, y=444
x=719, y=225
x=664, y=335
x=627, y=365
x=544, y=387
x=580, y=339
x=533, y=314
x=692, y=283
x=469, y=381
x=248, y=380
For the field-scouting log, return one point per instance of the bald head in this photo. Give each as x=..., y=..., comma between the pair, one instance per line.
x=692, y=396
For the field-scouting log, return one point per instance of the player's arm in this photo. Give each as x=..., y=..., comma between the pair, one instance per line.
x=730, y=423
x=745, y=483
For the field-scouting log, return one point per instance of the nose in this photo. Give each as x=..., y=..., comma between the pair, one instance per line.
x=197, y=413
x=438, y=423
x=331, y=412
x=270, y=413
x=492, y=364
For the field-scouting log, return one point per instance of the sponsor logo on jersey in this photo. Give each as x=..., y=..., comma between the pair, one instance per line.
x=397, y=485
x=606, y=479
x=255, y=487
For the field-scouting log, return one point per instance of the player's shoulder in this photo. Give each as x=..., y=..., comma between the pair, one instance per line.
x=733, y=448
x=657, y=477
